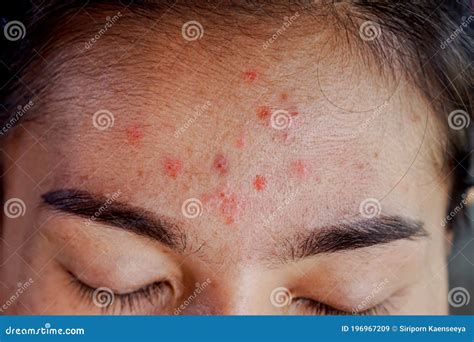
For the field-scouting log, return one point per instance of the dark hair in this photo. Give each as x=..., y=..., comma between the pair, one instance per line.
x=432, y=40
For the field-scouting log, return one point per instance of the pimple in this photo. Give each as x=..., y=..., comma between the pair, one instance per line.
x=172, y=166
x=284, y=96
x=240, y=142
x=250, y=76
x=134, y=134
x=264, y=112
x=225, y=203
x=259, y=182
x=299, y=168
x=221, y=164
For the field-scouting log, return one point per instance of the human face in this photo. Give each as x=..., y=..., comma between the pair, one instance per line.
x=316, y=182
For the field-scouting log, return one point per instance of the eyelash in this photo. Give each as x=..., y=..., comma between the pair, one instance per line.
x=318, y=308
x=153, y=295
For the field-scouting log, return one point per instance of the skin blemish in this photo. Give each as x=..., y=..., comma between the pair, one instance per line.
x=250, y=76
x=299, y=169
x=172, y=166
x=221, y=164
x=225, y=203
x=264, y=113
x=284, y=96
x=240, y=142
x=259, y=183
x=134, y=134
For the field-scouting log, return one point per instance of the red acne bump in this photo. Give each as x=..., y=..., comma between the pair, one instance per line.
x=294, y=113
x=259, y=183
x=264, y=112
x=299, y=168
x=250, y=75
x=221, y=164
x=225, y=203
x=240, y=142
x=134, y=134
x=172, y=167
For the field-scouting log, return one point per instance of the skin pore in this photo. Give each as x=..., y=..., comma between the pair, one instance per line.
x=350, y=135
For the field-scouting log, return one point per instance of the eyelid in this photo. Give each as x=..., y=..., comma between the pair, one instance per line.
x=153, y=295
x=319, y=308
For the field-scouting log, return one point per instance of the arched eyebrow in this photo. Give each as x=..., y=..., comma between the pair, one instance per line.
x=117, y=214
x=346, y=236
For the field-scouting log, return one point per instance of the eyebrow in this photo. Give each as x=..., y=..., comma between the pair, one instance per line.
x=102, y=209
x=346, y=236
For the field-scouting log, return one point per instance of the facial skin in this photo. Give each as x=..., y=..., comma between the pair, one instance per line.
x=354, y=135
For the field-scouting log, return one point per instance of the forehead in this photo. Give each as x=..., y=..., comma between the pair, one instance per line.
x=299, y=122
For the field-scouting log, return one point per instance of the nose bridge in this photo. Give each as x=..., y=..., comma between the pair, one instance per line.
x=234, y=293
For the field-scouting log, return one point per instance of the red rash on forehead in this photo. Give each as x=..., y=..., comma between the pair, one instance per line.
x=259, y=183
x=264, y=112
x=134, y=134
x=225, y=203
x=221, y=164
x=172, y=166
x=250, y=75
x=240, y=142
x=299, y=168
